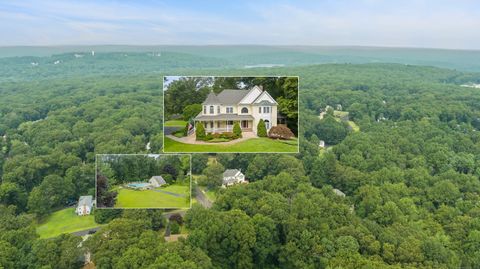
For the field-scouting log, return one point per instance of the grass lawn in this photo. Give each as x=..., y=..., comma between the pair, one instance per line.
x=354, y=126
x=128, y=198
x=64, y=221
x=175, y=123
x=250, y=145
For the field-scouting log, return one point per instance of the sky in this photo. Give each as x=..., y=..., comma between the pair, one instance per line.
x=452, y=24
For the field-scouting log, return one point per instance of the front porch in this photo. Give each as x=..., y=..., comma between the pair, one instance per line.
x=220, y=126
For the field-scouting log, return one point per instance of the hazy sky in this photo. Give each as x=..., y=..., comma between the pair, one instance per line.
x=404, y=23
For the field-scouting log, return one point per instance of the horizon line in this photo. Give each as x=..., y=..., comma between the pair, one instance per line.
x=234, y=45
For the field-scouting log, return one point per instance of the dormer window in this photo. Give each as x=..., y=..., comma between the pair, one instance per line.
x=244, y=110
x=229, y=110
x=211, y=110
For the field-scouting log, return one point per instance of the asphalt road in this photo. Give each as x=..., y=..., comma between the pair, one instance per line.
x=168, y=130
x=202, y=198
x=85, y=232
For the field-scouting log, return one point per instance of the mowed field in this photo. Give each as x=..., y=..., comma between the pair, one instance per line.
x=65, y=221
x=156, y=198
x=250, y=145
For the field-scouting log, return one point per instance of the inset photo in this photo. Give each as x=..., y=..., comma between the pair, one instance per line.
x=230, y=114
x=143, y=181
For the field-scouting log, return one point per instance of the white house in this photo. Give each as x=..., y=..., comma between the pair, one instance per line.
x=157, y=181
x=233, y=176
x=85, y=205
x=248, y=107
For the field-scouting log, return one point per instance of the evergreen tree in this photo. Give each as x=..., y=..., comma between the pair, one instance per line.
x=261, y=129
x=237, y=130
x=200, y=131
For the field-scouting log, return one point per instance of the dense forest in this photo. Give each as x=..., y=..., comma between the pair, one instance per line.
x=410, y=176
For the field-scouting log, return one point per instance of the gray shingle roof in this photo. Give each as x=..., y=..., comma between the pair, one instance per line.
x=159, y=180
x=231, y=97
x=85, y=200
x=230, y=172
x=211, y=99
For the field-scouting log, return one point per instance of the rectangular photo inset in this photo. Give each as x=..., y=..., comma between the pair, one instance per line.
x=143, y=181
x=215, y=114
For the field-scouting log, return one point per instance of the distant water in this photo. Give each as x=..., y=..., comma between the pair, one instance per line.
x=264, y=65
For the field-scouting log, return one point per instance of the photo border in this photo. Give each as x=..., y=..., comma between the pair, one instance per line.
x=228, y=152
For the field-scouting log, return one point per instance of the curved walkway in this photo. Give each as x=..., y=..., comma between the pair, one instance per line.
x=191, y=139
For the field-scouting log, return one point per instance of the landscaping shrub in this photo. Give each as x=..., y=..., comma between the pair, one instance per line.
x=237, y=130
x=209, y=136
x=199, y=131
x=261, y=129
x=174, y=228
x=282, y=132
x=228, y=135
x=185, y=130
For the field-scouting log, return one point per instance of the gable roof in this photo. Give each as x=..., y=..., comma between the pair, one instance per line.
x=252, y=94
x=269, y=97
x=85, y=200
x=159, y=180
x=231, y=172
x=211, y=99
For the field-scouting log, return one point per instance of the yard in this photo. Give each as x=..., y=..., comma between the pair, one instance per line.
x=175, y=123
x=65, y=221
x=250, y=145
x=173, y=196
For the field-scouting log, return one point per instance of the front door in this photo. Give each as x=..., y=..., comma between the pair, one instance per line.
x=244, y=124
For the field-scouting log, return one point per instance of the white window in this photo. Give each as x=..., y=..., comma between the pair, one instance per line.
x=267, y=124
x=229, y=110
x=260, y=110
x=218, y=109
x=211, y=110
x=211, y=125
x=244, y=110
x=266, y=109
x=204, y=109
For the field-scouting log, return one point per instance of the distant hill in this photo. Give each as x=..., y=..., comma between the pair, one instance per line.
x=240, y=56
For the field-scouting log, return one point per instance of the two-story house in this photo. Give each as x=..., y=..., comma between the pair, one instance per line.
x=221, y=111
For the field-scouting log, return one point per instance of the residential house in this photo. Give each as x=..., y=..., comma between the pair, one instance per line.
x=85, y=205
x=233, y=176
x=221, y=111
x=157, y=181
